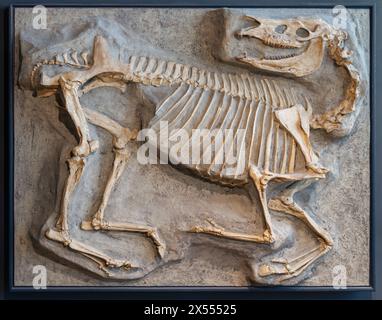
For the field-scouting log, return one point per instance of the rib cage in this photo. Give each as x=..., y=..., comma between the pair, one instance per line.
x=206, y=100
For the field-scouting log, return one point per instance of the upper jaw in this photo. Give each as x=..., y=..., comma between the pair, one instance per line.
x=271, y=40
x=275, y=41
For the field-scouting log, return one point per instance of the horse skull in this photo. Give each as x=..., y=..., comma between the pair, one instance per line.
x=308, y=34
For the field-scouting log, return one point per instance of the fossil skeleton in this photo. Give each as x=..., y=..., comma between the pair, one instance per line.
x=276, y=123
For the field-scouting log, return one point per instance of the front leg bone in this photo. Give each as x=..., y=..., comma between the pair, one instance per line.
x=292, y=267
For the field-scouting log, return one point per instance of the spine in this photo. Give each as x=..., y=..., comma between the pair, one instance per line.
x=156, y=72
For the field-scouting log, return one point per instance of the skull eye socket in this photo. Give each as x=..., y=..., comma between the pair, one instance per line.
x=302, y=32
x=281, y=28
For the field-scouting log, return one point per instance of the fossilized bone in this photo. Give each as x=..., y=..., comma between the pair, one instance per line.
x=276, y=121
x=284, y=33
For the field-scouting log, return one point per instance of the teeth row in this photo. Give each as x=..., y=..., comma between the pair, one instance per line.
x=271, y=43
x=284, y=45
x=280, y=57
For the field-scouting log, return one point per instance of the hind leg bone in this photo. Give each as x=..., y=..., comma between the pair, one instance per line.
x=76, y=163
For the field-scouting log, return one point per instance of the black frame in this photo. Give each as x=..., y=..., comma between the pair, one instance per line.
x=362, y=292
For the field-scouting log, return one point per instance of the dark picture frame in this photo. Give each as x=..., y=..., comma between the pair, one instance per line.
x=364, y=292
